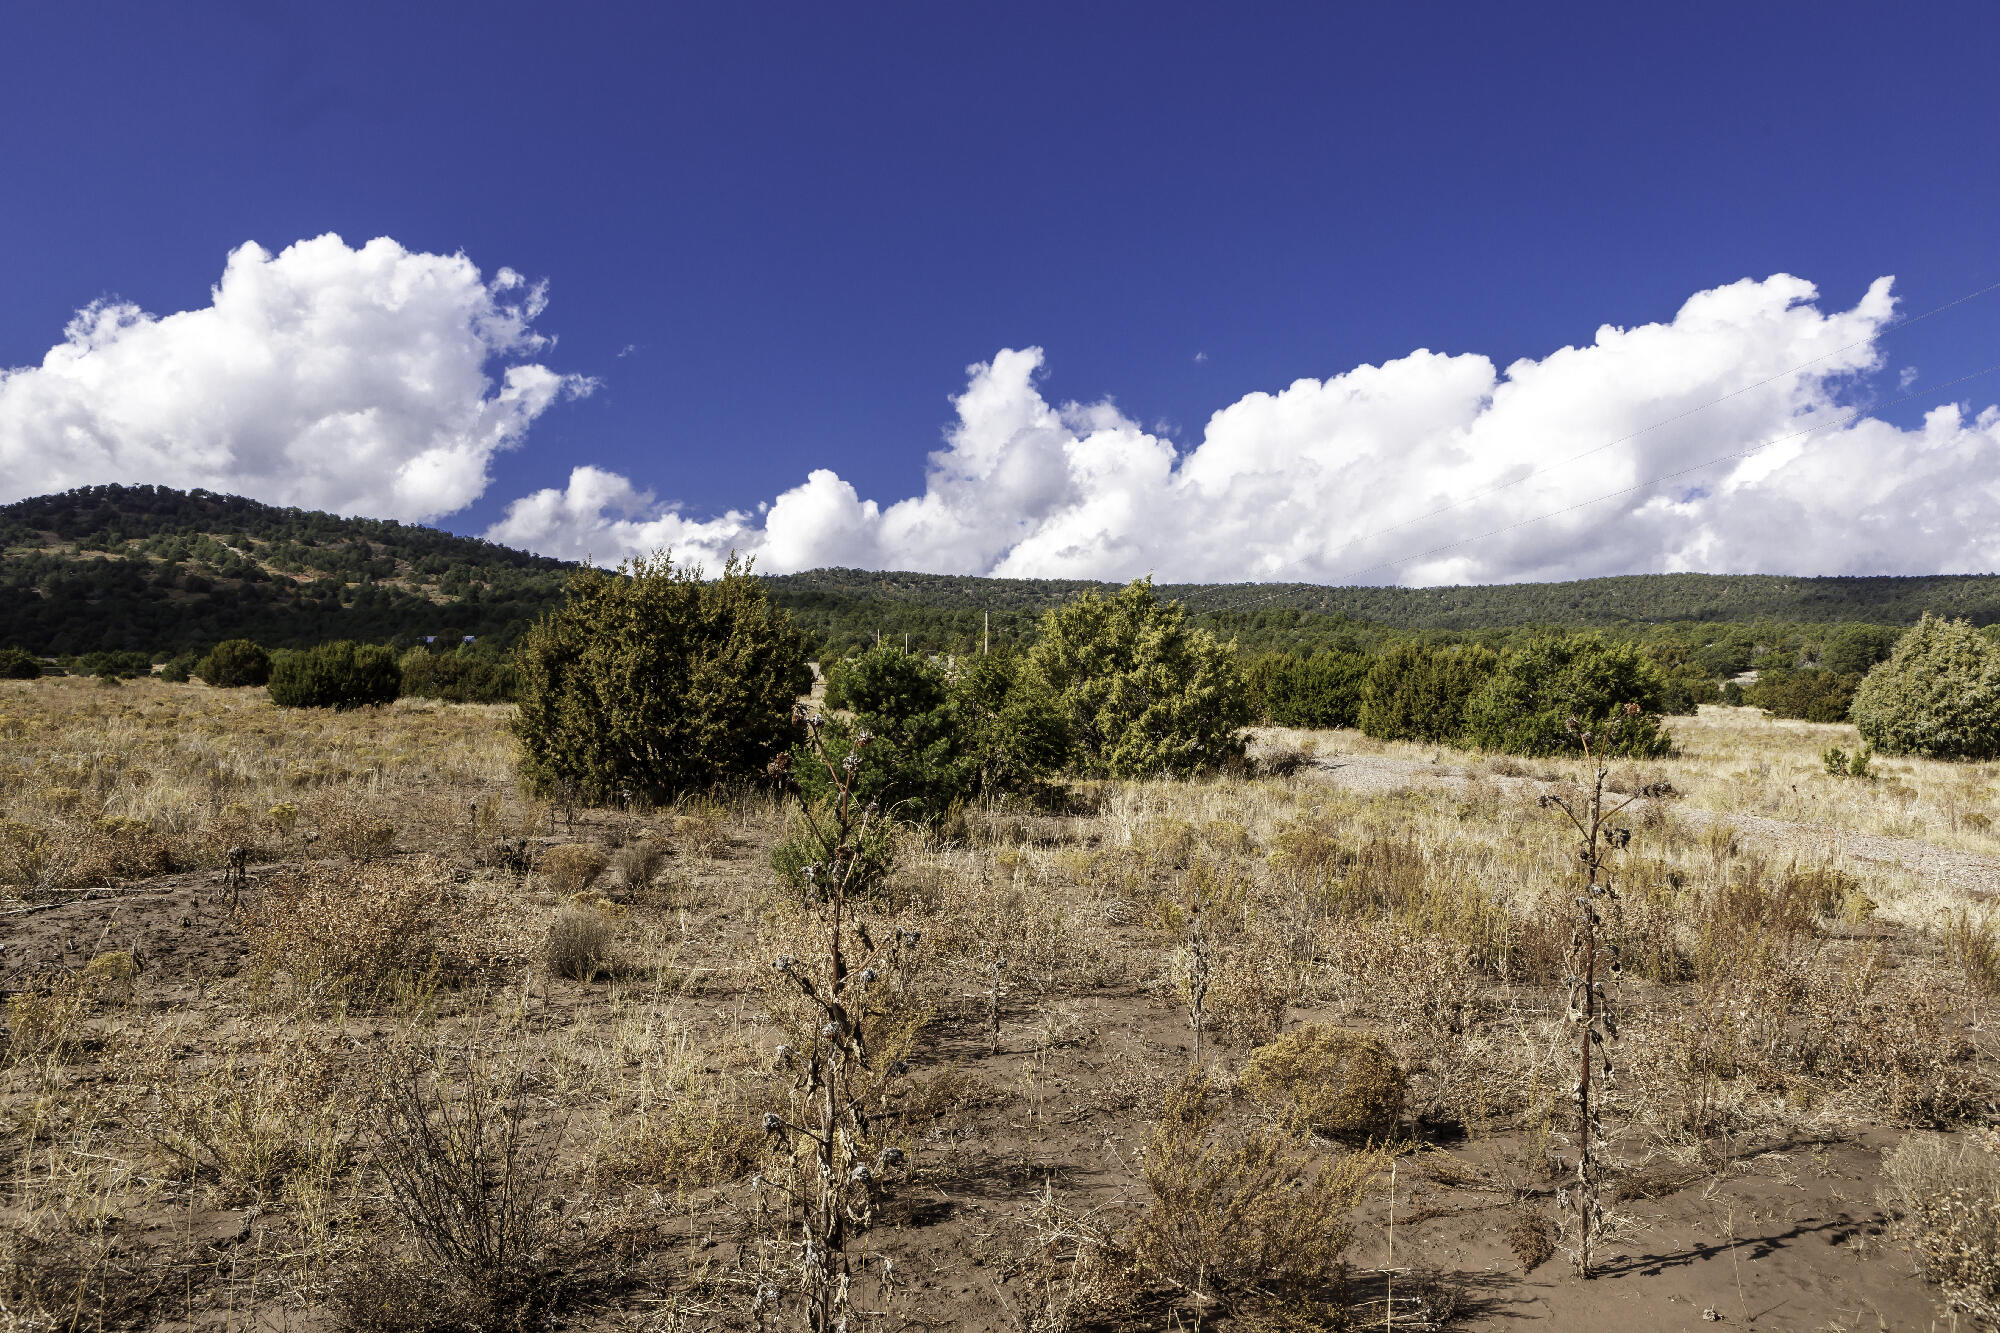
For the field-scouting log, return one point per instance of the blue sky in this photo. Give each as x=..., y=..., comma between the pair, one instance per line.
x=775, y=237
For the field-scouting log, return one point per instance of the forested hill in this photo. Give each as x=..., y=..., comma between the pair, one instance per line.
x=108, y=568
x=145, y=567
x=840, y=602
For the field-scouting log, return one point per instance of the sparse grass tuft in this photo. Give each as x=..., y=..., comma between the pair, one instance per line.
x=580, y=942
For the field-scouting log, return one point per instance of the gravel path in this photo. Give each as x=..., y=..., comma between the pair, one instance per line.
x=1973, y=873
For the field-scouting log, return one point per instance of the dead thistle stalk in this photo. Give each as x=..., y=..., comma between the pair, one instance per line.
x=834, y=1142
x=1592, y=973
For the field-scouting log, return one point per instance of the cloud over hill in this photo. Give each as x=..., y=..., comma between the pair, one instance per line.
x=354, y=380
x=1331, y=480
x=382, y=381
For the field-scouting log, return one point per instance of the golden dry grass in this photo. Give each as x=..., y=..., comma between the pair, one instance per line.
x=218, y=1084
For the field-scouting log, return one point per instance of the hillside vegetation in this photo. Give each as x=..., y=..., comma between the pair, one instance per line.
x=155, y=570
x=146, y=568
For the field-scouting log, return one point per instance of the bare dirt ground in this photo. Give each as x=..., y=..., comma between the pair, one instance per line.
x=198, y=1151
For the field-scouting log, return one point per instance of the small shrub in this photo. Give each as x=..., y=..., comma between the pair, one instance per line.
x=1948, y=1197
x=337, y=675
x=179, y=669
x=1345, y=1085
x=18, y=664
x=1811, y=695
x=1418, y=691
x=275, y=1110
x=350, y=931
x=471, y=1184
x=1546, y=696
x=233, y=663
x=1143, y=692
x=1972, y=943
x=1840, y=764
x=803, y=846
x=580, y=940
x=1532, y=1237
x=1243, y=1217
x=110, y=976
x=653, y=681
x=49, y=1023
x=1937, y=696
x=570, y=868
x=635, y=864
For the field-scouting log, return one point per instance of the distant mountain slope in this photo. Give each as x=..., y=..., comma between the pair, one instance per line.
x=1632, y=598
x=150, y=568
x=147, y=567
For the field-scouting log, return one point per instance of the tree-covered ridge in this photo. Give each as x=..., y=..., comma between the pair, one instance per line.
x=1630, y=598
x=148, y=568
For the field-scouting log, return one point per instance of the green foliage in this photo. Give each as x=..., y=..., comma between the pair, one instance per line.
x=1547, y=695
x=1015, y=728
x=1684, y=689
x=233, y=663
x=18, y=664
x=1418, y=691
x=942, y=734
x=654, y=681
x=179, y=668
x=1853, y=650
x=1318, y=691
x=460, y=677
x=341, y=675
x=803, y=847
x=919, y=766
x=1143, y=692
x=852, y=599
x=1937, y=696
x=123, y=664
x=146, y=567
x=1840, y=764
x=1733, y=694
x=1812, y=694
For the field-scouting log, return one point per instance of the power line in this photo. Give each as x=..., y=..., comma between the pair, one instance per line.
x=1851, y=417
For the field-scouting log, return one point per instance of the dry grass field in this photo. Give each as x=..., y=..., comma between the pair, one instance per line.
x=314, y=1022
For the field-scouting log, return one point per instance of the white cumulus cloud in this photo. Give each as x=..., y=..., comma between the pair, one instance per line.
x=1382, y=473
x=355, y=380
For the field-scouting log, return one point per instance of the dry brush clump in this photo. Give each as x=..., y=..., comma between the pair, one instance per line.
x=1343, y=1085
x=582, y=939
x=1243, y=1218
x=470, y=1174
